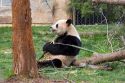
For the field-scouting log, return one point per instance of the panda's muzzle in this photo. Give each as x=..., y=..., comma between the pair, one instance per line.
x=53, y=30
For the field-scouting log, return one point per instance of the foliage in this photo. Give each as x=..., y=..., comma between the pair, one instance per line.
x=96, y=43
x=86, y=8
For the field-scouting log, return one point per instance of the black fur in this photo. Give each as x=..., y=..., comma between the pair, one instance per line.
x=53, y=63
x=68, y=22
x=57, y=49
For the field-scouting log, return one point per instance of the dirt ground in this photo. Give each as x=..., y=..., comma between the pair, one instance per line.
x=37, y=80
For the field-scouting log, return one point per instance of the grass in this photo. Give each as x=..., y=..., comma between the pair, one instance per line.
x=96, y=43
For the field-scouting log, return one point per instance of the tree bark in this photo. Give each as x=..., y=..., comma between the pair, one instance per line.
x=117, y=2
x=24, y=63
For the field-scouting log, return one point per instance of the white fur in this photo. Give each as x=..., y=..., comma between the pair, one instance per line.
x=62, y=28
x=72, y=31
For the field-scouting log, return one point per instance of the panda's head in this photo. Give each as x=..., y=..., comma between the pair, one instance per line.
x=61, y=26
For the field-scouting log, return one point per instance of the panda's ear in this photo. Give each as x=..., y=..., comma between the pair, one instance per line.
x=68, y=22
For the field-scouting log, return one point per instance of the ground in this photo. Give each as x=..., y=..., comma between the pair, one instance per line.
x=35, y=80
x=97, y=43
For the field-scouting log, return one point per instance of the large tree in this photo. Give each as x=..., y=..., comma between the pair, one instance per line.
x=24, y=63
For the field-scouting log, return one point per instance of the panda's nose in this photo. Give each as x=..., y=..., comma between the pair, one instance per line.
x=53, y=30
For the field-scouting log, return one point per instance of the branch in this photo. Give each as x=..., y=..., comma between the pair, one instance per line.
x=123, y=39
x=116, y=2
x=101, y=58
x=109, y=41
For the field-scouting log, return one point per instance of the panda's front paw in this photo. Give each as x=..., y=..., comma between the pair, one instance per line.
x=47, y=46
x=48, y=43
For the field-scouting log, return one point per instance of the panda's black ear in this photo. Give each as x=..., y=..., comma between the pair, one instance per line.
x=68, y=22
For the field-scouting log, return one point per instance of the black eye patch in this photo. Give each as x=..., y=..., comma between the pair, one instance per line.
x=56, y=25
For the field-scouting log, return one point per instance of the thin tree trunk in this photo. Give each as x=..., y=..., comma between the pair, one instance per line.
x=117, y=2
x=24, y=63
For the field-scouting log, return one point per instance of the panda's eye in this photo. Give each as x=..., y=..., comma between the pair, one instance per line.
x=56, y=25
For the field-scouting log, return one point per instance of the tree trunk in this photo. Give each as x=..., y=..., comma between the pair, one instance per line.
x=24, y=63
x=117, y=2
x=61, y=10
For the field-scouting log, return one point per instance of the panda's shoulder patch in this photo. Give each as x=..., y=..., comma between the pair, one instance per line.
x=72, y=40
x=70, y=37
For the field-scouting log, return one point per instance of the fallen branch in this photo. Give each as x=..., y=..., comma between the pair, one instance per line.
x=101, y=58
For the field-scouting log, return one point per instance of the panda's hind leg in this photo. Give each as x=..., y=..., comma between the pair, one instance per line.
x=52, y=63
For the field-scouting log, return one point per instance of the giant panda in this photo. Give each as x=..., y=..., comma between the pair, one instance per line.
x=58, y=53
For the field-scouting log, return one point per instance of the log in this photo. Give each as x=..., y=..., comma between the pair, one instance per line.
x=94, y=61
x=116, y=2
x=109, y=57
